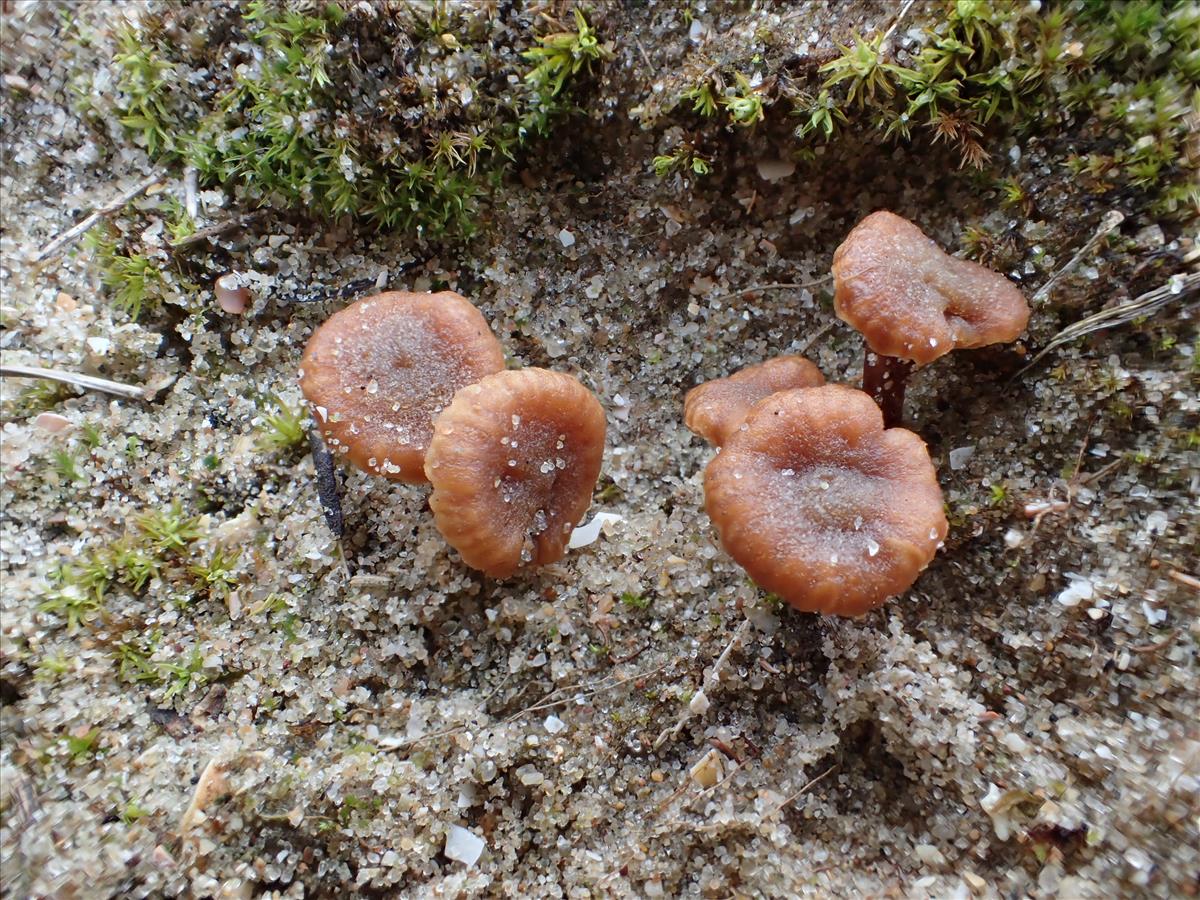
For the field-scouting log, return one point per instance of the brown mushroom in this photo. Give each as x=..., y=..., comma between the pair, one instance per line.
x=513, y=461
x=377, y=372
x=716, y=408
x=823, y=506
x=913, y=302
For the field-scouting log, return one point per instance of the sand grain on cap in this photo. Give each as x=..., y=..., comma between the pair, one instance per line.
x=912, y=300
x=513, y=463
x=377, y=372
x=821, y=505
x=715, y=409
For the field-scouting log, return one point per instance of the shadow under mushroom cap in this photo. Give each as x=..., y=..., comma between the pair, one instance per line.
x=821, y=505
x=912, y=300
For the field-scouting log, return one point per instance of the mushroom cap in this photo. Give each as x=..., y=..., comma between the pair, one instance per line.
x=513, y=461
x=823, y=506
x=912, y=300
x=377, y=372
x=716, y=408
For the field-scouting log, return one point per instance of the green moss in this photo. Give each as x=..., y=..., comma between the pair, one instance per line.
x=168, y=530
x=284, y=431
x=132, y=812
x=134, y=565
x=135, y=281
x=1121, y=79
x=702, y=99
x=305, y=125
x=67, y=466
x=744, y=104
x=684, y=159
x=142, y=79
x=133, y=661
x=562, y=56
x=41, y=395
x=82, y=747
x=216, y=575
x=78, y=591
x=51, y=666
x=639, y=602
x=180, y=677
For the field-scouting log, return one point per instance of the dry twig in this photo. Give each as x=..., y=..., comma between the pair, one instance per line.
x=804, y=790
x=709, y=684
x=1111, y=220
x=1178, y=287
x=776, y=286
x=71, y=235
x=86, y=382
x=1185, y=579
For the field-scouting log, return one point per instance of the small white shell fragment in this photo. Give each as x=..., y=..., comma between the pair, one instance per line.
x=98, y=346
x=959, y=457
x=52, y=422
x=587, y=534
x=554, y=725
x=699, y=704
x=621, y=408
x=1078, y=589
x=775, y=169
x=709, y=770
x=463, y=846
x=232, y=294
x=211, y=785
x=1013, y=538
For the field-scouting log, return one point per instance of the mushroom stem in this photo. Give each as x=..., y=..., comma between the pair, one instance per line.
x=884, y=378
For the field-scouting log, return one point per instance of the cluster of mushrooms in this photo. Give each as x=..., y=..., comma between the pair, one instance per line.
x=814, y=490
x=413, y=387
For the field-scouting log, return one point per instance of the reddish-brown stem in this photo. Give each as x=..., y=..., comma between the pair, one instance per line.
x=883, y=379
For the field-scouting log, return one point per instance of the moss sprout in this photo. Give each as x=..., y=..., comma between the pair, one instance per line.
x=562, y=55
x=216, y=574
x=282, y=431
x=40, y=396
x=74, y=603
x=82, y=746
x=67, y=466
x=168, y=530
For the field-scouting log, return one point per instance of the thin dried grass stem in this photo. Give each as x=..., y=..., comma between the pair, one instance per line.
x=85, y=382
x=76, y=231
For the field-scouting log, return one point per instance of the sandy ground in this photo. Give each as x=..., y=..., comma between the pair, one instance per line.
x=1022, y=722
